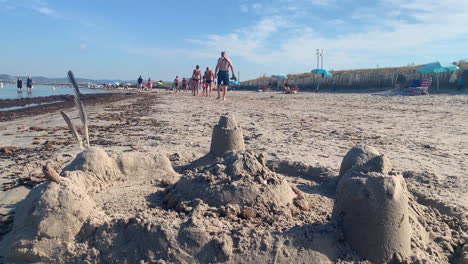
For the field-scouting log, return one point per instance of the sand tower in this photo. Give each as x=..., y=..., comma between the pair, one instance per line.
x=227, y=136
x=371, y=208
x=236, y=176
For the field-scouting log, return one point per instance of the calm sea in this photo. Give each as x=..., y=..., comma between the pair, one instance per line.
x=10, y=92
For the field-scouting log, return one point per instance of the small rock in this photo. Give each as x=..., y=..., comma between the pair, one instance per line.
x=166, y=182
x=264, y=245
x=248, y=213
x=174, y=157
x=301, y=203
x=180, y=208
x=172, y=202
x=49, y=144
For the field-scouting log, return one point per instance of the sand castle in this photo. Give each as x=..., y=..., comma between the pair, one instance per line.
x=227, y=136
x=231, y=208
x=372, y=206
x=236, y=177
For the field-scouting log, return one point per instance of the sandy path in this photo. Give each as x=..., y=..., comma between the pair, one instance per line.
x=426, y=136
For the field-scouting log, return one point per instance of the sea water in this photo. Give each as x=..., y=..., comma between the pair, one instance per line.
x=11, y=92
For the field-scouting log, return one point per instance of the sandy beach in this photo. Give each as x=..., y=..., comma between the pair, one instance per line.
x=424, y=137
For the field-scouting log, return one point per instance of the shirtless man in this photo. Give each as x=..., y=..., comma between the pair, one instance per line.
x=224, y=63
x=196, y=77
x=209, y=77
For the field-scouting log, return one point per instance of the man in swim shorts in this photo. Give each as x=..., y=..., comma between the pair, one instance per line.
x=209, y=77
x=223, y=65
x=196, y=78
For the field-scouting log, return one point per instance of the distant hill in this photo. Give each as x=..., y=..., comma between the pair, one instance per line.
x=6, y=78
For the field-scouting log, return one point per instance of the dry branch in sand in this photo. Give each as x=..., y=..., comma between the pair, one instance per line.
x=81, y=111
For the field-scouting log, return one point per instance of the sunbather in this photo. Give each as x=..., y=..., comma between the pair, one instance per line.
x=287, y=89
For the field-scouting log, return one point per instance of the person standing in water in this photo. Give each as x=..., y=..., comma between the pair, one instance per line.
x=209, y=77
x=196, y=78
x=19, y=85
x=29, y=84
x=223, y=65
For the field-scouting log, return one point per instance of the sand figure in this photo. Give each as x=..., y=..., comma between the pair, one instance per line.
x=61, y=211
x=227, y=136
x=371, y=208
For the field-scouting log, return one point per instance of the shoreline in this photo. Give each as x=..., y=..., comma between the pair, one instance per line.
x=52, y=103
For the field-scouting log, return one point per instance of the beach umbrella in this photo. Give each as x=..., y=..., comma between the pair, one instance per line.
x=280, y=76
x=160, y=83
x=437, y=67
x=234, y=82
x=323, y=72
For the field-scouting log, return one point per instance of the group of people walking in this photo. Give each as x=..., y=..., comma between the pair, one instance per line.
x=29, y=85
x=219, y=76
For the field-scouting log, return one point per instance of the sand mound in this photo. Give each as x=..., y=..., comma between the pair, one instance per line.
x=240, y=178
x=51, y=215
x=227, y=136
x=94, y=160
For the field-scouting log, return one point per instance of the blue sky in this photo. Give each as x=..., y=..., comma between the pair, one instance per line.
x=122, y=39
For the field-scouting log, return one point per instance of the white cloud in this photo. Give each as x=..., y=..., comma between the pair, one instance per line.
x=83, y=46
x=390, y=31
x=46, y=11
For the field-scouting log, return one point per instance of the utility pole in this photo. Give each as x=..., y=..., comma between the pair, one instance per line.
x=321, y=56
x=318, y=60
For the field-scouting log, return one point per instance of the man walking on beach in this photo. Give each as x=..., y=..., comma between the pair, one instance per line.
x=29, y=84
x=209, y=76
x=224, y=63
x=19, y=85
